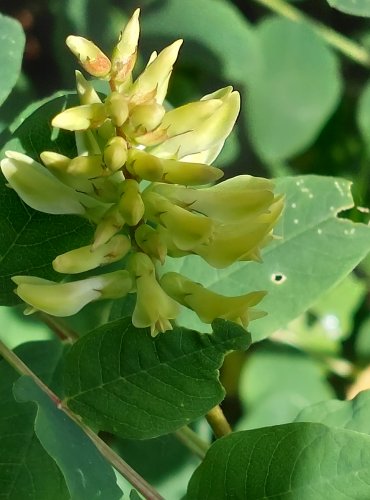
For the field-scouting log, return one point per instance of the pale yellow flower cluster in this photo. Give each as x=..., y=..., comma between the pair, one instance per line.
x=123, y=140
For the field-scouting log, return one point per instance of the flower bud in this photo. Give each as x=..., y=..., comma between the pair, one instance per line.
x=117, y=108
x=81, y=117
x=66, y=299
x=131, y=205
x=115, y=153
x=108, y=226
x=144, y=165
x=55, y=161
x=85, y=258
x=91, y=58
x=125, y=53
x=154, y=308
x=156, y=75
x=38, y=187
x=85, y=90
x=146, y=117
x=151, y=242
x=151, y=168
x=209, y=305
x=86, y=167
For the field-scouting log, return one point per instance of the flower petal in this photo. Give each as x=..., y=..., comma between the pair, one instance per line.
x=38, y=187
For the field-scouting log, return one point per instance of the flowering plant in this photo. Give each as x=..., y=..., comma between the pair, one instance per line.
x=151, y=273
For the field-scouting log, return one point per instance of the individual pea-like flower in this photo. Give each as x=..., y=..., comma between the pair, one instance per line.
x=209, y=305
x=65, y=299
x=154, y=308
x=136, y=176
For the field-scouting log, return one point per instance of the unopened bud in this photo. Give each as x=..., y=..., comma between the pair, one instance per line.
x=85, y=258
x=115, y=153
x=151, y=242
x=108, y=226
x=81, y=117
x=125, y=53
x=131, y=205
x=91, y=58
x=146, y=117
x=117, y=108
x=144, y=165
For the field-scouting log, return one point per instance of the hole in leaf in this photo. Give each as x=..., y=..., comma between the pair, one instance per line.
x=278, y=278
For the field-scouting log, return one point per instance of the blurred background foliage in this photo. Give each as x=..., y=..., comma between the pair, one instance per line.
x=305, y=109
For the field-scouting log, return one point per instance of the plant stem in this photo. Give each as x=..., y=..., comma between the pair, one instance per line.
x=115, y=460
x=351, y=49
x=62, y=331
x=192, y=441
x=218, y=422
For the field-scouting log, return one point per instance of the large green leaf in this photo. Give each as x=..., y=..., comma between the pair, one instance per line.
x=12, y=45
x=276, y=383
x=26, y=470
x=295, y=92
x=125, y=382
x=30, y=239
x=307, y=461
x=87, y=474
x=353, y=415
x=314, y=252
x=354, y=7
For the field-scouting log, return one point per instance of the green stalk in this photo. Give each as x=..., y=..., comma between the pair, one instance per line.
x=192, y=441
x=349, y=48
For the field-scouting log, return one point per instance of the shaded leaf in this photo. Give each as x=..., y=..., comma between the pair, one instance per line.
x=12, y=45
x=232, y=54
x=125, y=382
x=352, y=415
x=308, y=461
x=30, y=239
x=277, y=383
x=354, y=7
x=295, y=92
x=26, y=470
x=363, y=112
x=314, y=252
x=87, y=474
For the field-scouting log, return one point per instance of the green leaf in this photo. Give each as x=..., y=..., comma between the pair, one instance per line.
x=26, y=470
x=314, y=252
x=87, y=474
x=295, y=92
x=354, y=7
x=12, y=45
x=216, y=36
x=352, y=415
x=30, y=239
x=125, y=382
x=276, y=383
x=307, y=461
